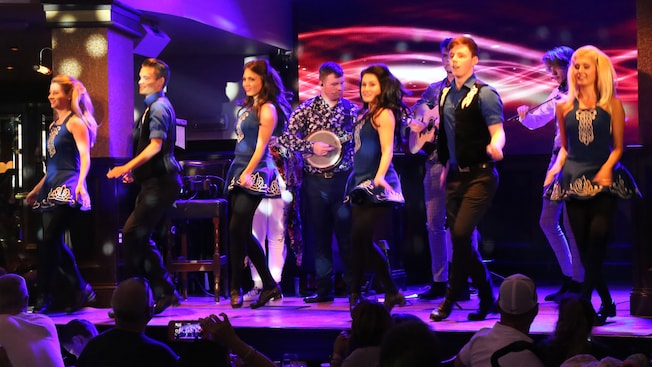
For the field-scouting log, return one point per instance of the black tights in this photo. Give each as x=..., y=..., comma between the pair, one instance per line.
x=367, y=220
x=55, y=257
x=242, y=242
x=591, y=221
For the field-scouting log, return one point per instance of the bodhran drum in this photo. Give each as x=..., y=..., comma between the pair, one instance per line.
x=332, y=158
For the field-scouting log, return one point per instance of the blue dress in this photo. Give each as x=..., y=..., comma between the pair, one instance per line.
x=62, y=169
x=264, y=175
x=366, y=159
x=588, y=135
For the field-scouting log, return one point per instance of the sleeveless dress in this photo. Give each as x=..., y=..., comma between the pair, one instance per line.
x=588, y=134
x=360, y=187
x=264, y=175
x=62, y=169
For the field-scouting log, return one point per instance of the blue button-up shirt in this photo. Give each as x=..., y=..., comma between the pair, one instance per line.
x=490, y=105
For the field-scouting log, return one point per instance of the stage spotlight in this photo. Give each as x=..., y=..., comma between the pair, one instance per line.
x=40, y=68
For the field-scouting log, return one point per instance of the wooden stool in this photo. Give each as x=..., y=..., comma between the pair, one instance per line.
x=215, y=209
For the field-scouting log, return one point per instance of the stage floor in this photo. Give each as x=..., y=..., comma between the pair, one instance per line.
x=291, y=321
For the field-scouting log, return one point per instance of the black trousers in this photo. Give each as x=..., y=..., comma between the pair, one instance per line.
x=56, y=260
x=242, y=242
x=325, y=214
x=468, y=196
x=591, y=221
x=141, y=256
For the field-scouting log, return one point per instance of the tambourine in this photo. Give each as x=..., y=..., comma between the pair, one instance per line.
x=332, y=158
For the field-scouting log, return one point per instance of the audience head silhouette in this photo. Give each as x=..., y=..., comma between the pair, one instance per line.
x=408, y=344
x=370, y=321
x=75, y=334
x=132, y=303
x=13, y=294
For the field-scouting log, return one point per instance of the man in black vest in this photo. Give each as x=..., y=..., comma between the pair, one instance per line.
x=471, y=139
x=157, y=171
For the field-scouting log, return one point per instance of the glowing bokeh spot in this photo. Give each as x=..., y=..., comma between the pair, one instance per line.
x=96, y=45
x=108, y=249
x=70, y=67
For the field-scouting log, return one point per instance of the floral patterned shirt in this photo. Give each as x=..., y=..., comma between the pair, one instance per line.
x=314, y=115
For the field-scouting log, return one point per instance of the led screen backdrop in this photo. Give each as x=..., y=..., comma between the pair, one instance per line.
x=512, y=36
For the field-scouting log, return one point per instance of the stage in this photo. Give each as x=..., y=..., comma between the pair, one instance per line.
x=290, y=325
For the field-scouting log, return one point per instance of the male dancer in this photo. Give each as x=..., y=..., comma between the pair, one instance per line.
x=322, y=189
x=435, y=195
x=562, y=243
x=157, y=171
x=471, y=140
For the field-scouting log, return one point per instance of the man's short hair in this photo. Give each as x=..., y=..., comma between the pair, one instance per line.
x=328, y=68
x=558, y=56
x=464, y=41
x=518, y=295
x=443, y=45
x=162, y=69
x=76, y=327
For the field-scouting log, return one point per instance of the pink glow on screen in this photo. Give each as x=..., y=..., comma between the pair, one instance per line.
x=514, y=70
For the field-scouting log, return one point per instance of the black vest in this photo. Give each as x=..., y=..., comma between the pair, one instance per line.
x=471, y=132
x=163, y=162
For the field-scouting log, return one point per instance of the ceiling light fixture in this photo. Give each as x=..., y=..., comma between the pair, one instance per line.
x=40, y=68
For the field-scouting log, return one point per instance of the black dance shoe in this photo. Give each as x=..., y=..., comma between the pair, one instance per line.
x=437, y=290
x=316, y=298
x=166, y=301
x=485, y=309
x=44, y=305
x=391, y=300
x=236, y=298
x=354, y=300
x=443, y=311
x=267, y=295
x=604, y=312
x=83, y=297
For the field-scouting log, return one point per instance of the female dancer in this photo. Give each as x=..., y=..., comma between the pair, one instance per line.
x=252, y=174
x=62, y=193
x=592, y=124
x=374, y=187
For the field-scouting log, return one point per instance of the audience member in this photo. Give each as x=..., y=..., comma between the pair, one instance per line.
x=26, y=340
x=370, y=322
x=518, y=306
x=572, y=335
x=587, y=360
x=222, y=332
x=126, y=344
x=409, y=344
x=73, y=337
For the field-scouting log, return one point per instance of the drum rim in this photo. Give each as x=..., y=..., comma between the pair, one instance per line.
x=333, y=162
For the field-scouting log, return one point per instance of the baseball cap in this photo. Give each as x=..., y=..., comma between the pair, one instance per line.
x=518, y=295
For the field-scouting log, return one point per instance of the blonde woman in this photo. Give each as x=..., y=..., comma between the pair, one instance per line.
x=62, y=192
x=587, y=172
